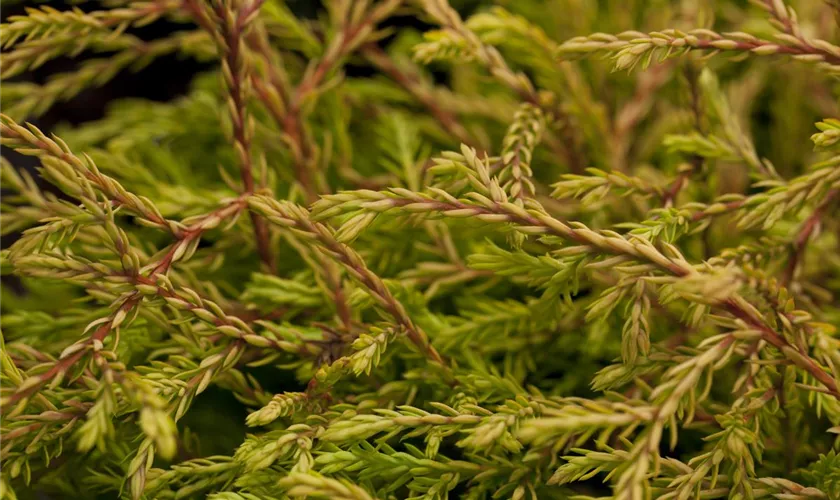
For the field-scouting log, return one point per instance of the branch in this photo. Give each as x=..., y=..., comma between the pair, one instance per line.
x=535, y=221
x=490, y=57
x=635, y=110
x=412, y=83
x=291, y=216
x=32, y=142
x=803, y=235
x=631, y=48
x=235, y=18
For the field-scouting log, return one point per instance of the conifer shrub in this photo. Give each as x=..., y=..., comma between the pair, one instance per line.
x=413, y=249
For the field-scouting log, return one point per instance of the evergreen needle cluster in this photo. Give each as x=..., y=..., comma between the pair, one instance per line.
x=414, y=249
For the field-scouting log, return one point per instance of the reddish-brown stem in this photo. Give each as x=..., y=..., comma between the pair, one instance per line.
x=281, y=112
x=227, y=320
x=292, y=121
x=106, y=185
x=63, y=365
x=584, y=237
x=804, y=234
x=414, y=86
x=298, y=219
x=263, y=240
x=780, y=343
x=236, y=75
x=341, y=305
x=236, y=82
x=52, y=417
x=140, y=11
x=200, y=16
x=675, y=187
x=313, y=79
x=633, y=111
x=257, y=41
x=237, y=78
x=195, y=230
x=375, y=285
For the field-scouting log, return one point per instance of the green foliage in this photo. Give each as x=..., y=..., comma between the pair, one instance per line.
x=463, y=259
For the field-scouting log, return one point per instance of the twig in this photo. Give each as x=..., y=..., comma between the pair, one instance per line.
x=633, y=111
x=412, y=83
x=803, y=235
x=236, y=71
x=292, y=216
x=538, y=222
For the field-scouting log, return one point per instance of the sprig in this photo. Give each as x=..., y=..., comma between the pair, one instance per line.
x=632, y=48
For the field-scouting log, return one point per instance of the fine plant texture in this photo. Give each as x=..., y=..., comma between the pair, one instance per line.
x=531, y=249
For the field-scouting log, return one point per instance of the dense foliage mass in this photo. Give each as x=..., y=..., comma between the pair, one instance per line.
x=407, y=249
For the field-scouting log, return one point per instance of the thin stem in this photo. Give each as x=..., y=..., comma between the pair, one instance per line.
x=294, y=217
x=236, y=75
x=63, y=365
x=635, y=110
x=280, y=109
x=291, y=121
x=413, y=84
x=13, y=134
x=519, y=83
x=539, y=222
x=803, y=235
